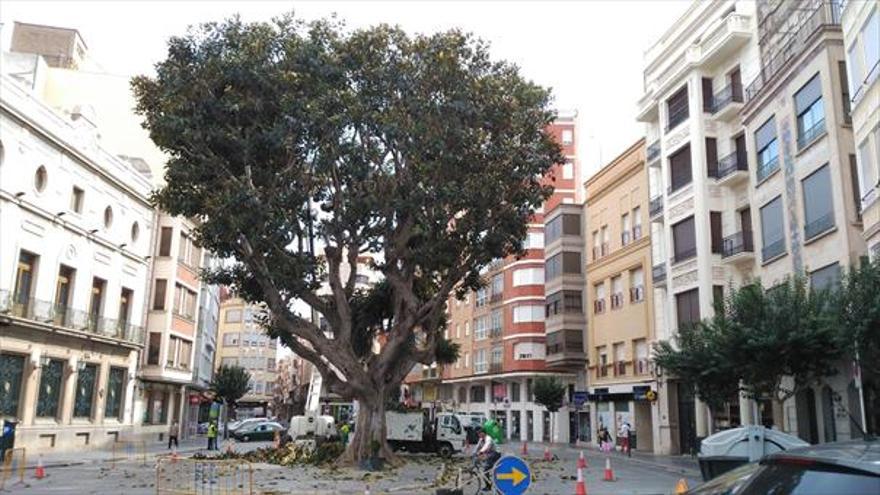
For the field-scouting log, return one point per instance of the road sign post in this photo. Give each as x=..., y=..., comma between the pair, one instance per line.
x=512, y=476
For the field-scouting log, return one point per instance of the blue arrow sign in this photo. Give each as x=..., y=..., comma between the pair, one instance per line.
x=512, y=475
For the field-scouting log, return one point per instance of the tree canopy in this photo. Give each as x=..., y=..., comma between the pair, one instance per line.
x=230, y=383
x=549, y=392
x=420, y=151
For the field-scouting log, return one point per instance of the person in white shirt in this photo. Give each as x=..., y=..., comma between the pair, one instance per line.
x=624, y=434
x=486, y=452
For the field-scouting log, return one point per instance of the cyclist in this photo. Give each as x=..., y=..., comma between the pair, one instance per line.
x=486, y=453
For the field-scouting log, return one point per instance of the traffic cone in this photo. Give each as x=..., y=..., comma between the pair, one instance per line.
x=681, y=486
x=40, y=471
x=581, y=487
x=547, y=456
x=174, y=455
x=609, y=473
x=582, y=461
x=525, y=449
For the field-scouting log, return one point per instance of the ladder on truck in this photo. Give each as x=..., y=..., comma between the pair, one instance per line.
x=313, y=399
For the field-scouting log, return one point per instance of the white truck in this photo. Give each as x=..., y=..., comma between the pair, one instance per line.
x=312, y=427
x=416, y=432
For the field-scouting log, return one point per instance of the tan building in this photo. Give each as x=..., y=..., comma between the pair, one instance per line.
x=242, y=341
x=620, y=313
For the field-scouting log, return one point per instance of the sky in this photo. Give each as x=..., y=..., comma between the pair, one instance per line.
x=589, y=52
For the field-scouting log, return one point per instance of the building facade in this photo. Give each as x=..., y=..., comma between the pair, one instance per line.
x=729, y=171
x=74, y=264
x=621, y=316
x=500, y=329
x=241, y=341
x=861, y=34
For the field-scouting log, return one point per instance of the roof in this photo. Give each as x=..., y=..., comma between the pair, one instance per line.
x=863, y=455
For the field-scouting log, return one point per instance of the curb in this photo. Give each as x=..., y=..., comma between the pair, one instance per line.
x=61, y=464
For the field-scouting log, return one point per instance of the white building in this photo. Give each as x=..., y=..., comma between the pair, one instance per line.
x=74, y=261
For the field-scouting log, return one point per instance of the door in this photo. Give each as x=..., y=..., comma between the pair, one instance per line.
x=530, y=426
x=807, y=423
x=62, y=295
x=24, y=278
x=515, y=425
x=450, y=429
x=742, y=160
x=572, y=427
x=736, y=84
x=687, y=424
x=828, y=414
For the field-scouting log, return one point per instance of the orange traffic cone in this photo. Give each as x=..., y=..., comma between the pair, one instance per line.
x=609, y=473
x=581, y=487
x=525, y=449
x=681, y=486
x=547, y=456
x=582, y=461
x=40, y=471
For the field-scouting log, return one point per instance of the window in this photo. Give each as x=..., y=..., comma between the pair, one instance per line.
x=818, y=210
x=467, y=360
x=677, y=108
x=565, y=224
x=870, y=35
x=528, y=313
x=270, y=364
x=619, y=359
x=715, y=228
x=772, y=229
x=534, y=240
x=515, y=392
x=641, y=347
x=825, y=278
x=616, y=292
x=50, y=389
x=159, y=294
x=810, y=112
x=597, y=242
x=467, y=329
x=184, y=354
x=25, y=275
x=165, y=241
x=867, y=173
x=480, y=363
x=711, y=157
x=40, y=178
x=63, y=287
x=76, y=200
x=568, y=170
x=529, y=350
x=481, y=327
x=230, y=339
x=567, y=136
x=602, y=353
x=528, y=276
x=478, y=392
x=768, y=152
x=497, y=356
x=187, y=252
x=228, y=361
x=85, y=391
x=553, y=267
x=126, y=298
x=684, y=240
x=636, y=285
x=115, y=392
x=233, y=316
x=708, y=96
x=96, y=305
x=11, y=374
x=497, y=286
x=599, y=302
x=680, y=168
x=624, y=229
x=573, y=301
x=496, y=323
x=606, y=238
x=844, y=92
x=637, y=223
x=184, y=302
x=687, y=305
x=457, y=330
x=154, y=348
x=135, y=231
x=482, y=297
x=108, y=217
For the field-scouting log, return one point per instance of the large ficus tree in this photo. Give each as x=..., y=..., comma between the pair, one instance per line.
x=418, y=150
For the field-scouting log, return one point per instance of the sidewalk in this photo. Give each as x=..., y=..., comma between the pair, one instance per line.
x=106, y=453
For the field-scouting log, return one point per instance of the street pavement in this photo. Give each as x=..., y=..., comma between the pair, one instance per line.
x=94, y=473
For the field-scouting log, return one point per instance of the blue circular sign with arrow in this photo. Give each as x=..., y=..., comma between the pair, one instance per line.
x=512, y=475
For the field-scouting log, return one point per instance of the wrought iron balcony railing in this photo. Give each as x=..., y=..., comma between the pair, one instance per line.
x=737, y=243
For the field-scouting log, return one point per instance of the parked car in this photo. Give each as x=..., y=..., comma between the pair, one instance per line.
x=258, y=431
x=850, y=468
x=237, y=425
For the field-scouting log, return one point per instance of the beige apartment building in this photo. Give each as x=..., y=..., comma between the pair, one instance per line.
x=242, y=341
x=755, y=180
x=620, y=315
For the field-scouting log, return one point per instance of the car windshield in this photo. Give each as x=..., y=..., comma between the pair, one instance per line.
x=813, y=479
x=728, y=483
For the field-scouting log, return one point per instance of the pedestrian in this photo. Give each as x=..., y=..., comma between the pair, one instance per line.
x=344, y=433
x=173, y=433
x=212, y=436
x=624, y=433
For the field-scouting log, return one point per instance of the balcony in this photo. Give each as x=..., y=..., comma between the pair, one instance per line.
x=766, y=169
x=599, y=306
x=636, y=294
x=658, y=274
x=819, y=226
x=620, y=368
x=728, y=102
x=721, y=40
x=652, y=153
x=61, y=316
x=807, y=136
x=565, y=350
x=481, y=368
x=655, y=208
x=732, y=169
x=773, y=250
x=738, y=247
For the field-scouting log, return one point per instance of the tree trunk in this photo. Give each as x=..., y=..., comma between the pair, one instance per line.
x=369, y=433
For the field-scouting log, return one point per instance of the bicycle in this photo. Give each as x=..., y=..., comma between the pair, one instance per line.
x=474, y=476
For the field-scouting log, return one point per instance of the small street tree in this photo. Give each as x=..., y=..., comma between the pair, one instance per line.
x=421, y=152
x=549, y=392
x=230, y=384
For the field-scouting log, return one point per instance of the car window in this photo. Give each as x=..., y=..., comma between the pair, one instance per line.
x=795, y=479
x=729, y=482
